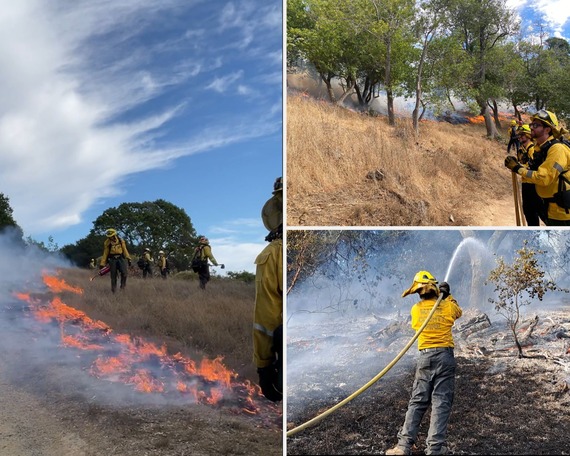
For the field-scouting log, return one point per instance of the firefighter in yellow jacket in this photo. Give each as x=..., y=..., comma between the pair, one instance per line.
x=268, y=311
x=551, y=158
x=531, y=202
x=434, y=383
x=204, y=253
x=116, y=254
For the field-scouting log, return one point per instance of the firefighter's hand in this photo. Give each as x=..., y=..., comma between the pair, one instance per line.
x=129, y=262
x=268, y=379
x=512, y=163
x=222, y=266
x=444, y=289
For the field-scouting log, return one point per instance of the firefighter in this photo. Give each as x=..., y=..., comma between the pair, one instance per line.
x=116, y=254
x=434, y=382
x=147, y=263
x=514, y=138
x=551, y=158
x=268, y=310
x=531, y=202
x=92, y=264
x=161, y=263
x=204, y=253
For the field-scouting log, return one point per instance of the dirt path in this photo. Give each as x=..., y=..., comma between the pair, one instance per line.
x=51, y=416
x=27, y=428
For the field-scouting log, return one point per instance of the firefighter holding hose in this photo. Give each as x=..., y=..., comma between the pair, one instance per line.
x=116, y=254
x=268, y=310
x=434, y=382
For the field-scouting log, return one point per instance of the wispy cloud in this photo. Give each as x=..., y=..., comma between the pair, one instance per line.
x=221, y=84
x=91, y=87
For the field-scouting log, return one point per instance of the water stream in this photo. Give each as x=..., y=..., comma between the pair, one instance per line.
x=470, y=241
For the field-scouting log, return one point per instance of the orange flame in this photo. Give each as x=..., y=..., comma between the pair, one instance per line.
x=147, y=367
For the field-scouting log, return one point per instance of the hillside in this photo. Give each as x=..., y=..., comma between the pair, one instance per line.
x=345, y=168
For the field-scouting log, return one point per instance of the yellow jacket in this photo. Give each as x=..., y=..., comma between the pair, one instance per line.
x=268, y=311
x=161, y=261
x=546, y=176
x=437, y=333
x=207, y=253
x=114, y=246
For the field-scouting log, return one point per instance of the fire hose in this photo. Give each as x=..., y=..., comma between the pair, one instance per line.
x=371, y=382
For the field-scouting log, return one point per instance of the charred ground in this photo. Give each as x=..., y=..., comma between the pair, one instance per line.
x=503, y=404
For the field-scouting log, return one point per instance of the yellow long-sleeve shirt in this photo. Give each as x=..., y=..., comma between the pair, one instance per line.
x=437, y=333
x=268, y=311
x=114, y=246
x=546, y=176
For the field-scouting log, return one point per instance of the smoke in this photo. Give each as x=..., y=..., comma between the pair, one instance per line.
x=335, y=320
x=50, y=346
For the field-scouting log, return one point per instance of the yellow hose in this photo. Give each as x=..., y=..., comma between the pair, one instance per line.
x=371, y=382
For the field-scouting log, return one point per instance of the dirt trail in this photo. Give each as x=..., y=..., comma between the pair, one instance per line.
x=28, y=428
x=45, y=413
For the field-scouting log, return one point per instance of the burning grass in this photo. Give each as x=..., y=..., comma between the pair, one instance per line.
x=124, y=346
x=449, y=175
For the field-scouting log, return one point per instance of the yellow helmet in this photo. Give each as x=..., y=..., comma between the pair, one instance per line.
x=513, y=123
x=111, y=232
x=546, y=117
x=423, y=282
x=524, y=130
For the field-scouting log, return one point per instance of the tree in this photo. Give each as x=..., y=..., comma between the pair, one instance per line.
x=7, y=222
x=481, y=25
x=158, y=225
x=517, y=284
x=6, y=212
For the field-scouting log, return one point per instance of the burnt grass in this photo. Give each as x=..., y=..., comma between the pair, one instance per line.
x=514, y=409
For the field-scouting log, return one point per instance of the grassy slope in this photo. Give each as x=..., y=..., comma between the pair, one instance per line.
x=450, y=175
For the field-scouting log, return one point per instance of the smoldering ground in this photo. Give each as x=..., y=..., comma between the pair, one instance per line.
x=50, y=345
x=340, y=334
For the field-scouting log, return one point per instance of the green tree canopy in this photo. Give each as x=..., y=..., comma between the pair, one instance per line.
x=158, y=225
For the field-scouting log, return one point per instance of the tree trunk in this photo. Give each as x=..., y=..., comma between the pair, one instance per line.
x=388, y=83
x=491, y=129
x=416, y=111
x=496, y=115
x=390, y=103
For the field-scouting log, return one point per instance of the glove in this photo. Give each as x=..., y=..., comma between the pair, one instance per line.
x=101, y=266
x=512, y=163
x=268, y=380
x=444, y=289
x=222, y=266
x=129, y=262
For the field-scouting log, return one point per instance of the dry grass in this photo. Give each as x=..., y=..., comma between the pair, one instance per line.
x=217, y=321
x=449, y=170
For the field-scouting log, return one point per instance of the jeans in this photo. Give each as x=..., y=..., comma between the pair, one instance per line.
x=434, y=384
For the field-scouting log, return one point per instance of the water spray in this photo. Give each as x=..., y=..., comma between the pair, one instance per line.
x=392, y=363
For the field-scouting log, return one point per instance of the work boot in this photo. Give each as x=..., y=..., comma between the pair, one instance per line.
x=398, y=450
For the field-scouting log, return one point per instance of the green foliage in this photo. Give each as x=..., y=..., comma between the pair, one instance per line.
x=51, y=246
x=517, y=285
x=7, y=222
x=158, y=225
x=244, y=276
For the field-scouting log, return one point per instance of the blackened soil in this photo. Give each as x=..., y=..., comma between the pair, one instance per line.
x=502, y=406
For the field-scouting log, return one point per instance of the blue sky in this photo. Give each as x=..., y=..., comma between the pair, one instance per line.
x=105, y=102
x=554, y=14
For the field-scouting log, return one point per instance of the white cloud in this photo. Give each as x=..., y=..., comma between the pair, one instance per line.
x=222, y=84
x=68, y=71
